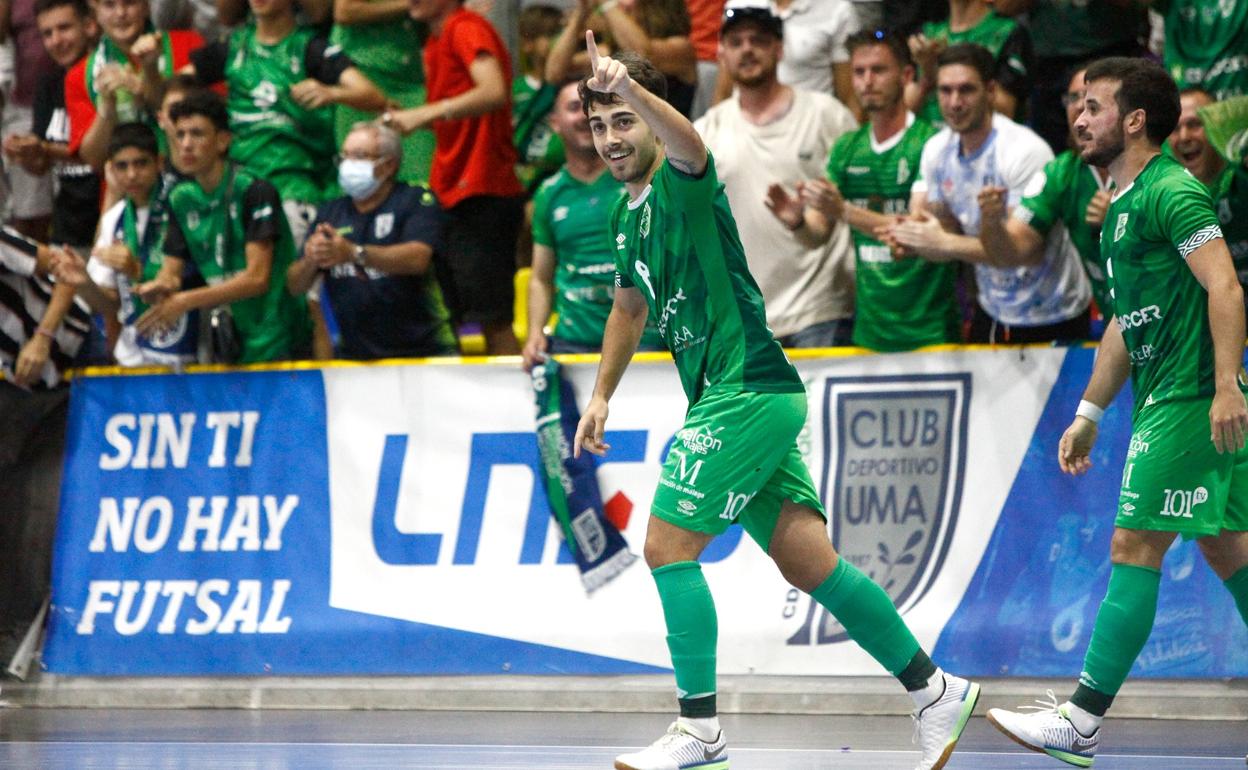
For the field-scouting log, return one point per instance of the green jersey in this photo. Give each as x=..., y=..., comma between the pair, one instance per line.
x=1207, y=44
x=570, y=218
x=1059, y=195
x=1230, y=202
x=274, y=136
x=212, y=229
x=678, y=244
x=905, y=303
x=388, y=53
x=1005, y=40
x=1150, y=229
x=539, y=148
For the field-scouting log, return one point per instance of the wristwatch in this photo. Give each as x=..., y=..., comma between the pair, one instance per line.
x=358, y=255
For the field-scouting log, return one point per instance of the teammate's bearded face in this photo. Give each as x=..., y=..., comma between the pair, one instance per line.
x=1189, y=142
x=623, y=140
x=1098, y=130
x=749, y=54
x=879, y=79
x=965, y=99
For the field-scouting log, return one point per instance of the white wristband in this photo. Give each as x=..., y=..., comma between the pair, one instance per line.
x=1090, y=410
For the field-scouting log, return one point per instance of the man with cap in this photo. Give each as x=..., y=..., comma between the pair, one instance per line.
x=770, y=137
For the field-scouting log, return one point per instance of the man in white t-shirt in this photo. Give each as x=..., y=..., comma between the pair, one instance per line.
x=1021, y=298
x=815, y=56
x=769, y=137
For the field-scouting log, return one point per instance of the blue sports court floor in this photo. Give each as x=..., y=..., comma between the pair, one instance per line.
x=85, y=739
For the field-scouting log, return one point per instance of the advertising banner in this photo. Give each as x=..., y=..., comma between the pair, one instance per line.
x=391, y=519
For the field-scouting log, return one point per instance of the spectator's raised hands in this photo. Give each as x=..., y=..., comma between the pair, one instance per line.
x=147, y=49
x=117, y=256
x=918, y=234
x=992, y=203
x=1095, y=213
x=68, y=267
x=823, y=196
x=311, y=94
x=924, y=50
x=789, y=209
x=607, y=75
x=327, y=248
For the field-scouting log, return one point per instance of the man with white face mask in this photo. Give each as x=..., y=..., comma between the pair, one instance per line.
x=373, y=249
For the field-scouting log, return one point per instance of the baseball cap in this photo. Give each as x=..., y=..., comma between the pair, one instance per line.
x=757, y=11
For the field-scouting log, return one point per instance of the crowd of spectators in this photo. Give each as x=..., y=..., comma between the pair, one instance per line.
x=263, y=180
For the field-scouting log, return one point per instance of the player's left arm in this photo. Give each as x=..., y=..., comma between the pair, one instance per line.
x=681, y=142
x=1228, y=417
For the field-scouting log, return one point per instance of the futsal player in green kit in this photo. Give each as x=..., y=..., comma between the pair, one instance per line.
x=1179, y=332
x=679, y=259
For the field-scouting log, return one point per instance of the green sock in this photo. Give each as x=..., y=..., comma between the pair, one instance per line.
x=1122, y=627
x=868, y=616
x=692, y=630
x=1237, y=584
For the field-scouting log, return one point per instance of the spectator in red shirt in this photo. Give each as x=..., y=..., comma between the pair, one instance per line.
x=106, y=88
x=468, y=76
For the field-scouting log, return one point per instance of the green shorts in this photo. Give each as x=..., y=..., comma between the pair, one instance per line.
x=1175, y=481
x=736, y=458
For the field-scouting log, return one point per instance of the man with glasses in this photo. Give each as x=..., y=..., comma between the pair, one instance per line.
x=373, y=250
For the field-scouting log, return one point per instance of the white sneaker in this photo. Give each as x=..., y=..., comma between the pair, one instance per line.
x=678, y=750
x=939, y=725
x=1049, y=731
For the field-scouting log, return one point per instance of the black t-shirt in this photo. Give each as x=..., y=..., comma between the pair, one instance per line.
x=265, y=228
x=381, y=315
x=76, y=208
x=321, y=61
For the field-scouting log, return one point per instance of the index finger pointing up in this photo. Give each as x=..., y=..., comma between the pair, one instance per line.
x=593, y=50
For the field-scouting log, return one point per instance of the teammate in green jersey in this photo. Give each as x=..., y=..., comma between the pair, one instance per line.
x=902, y=303
x=1207, y=44
x=230, y=223
x=1179, y=332
x=385, y=43
x=973, y=21
x=678, y=257
x=573, y=263
x=283, y=81
x=1068, y=195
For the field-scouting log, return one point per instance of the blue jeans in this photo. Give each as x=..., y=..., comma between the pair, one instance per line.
x=826, y=334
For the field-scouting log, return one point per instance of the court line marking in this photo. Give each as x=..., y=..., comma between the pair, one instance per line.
x=515, y=746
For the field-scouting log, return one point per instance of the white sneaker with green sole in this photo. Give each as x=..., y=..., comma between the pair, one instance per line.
x=1048, y=730
x=939, y=725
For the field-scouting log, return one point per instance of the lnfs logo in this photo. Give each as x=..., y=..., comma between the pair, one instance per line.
x=894, y=454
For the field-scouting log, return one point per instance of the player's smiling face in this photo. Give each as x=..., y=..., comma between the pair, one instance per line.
x=624, y=141
x=1098, y=130
x=1191, y=146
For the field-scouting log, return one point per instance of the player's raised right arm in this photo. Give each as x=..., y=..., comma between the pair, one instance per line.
x=682, y=143
x=619, y=341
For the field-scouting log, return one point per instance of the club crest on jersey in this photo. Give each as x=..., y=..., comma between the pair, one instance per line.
x=192, y=220
x=645, y=220
x=891, y=482
x=903, y=171
x=383, y=225
x=1120, y=229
